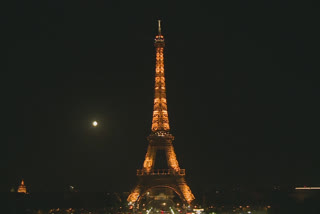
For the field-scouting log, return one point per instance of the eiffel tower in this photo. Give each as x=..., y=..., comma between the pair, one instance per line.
x=160, y=139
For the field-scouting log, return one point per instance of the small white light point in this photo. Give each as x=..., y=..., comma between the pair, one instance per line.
x=95, y=123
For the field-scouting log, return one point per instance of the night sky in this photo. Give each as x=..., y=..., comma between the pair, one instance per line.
x=242, y=88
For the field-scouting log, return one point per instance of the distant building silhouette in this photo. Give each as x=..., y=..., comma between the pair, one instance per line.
x=22, y=188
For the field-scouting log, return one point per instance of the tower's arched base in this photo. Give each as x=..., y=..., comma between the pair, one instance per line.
x=147, y=183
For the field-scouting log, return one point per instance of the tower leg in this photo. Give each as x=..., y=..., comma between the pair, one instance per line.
x=172, y=159
x=133, y=197
x=149, y=159
x=186, y=191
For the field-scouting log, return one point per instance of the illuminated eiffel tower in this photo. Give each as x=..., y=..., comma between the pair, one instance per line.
x=160, y=139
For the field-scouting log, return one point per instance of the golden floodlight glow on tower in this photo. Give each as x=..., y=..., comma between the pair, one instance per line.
x=160, y=139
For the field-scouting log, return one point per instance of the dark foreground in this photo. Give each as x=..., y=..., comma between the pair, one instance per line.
x=220, y=202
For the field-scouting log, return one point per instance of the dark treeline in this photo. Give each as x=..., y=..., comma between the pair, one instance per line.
x=280, y=201
x=20, y=203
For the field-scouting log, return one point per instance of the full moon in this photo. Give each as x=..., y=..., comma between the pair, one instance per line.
x=94, y=123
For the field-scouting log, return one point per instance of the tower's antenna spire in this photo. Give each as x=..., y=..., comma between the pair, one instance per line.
x=159, y=27
x=160, y=120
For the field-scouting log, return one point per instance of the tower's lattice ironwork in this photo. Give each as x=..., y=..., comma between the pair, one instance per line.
x=160, y=139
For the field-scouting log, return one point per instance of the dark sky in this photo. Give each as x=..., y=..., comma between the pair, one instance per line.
x=242, y=87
